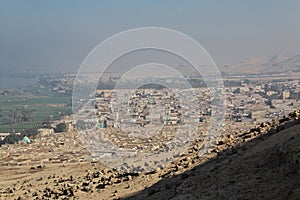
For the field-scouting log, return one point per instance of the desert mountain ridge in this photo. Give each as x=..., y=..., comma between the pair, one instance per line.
x=273, y=65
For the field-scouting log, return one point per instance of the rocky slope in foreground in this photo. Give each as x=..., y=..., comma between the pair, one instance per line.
x=262, y=163
x=266, y=167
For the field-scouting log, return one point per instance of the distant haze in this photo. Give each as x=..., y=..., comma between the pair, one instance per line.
x=57, y=35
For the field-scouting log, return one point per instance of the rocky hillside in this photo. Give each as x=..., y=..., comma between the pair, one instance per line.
x=275, y=65
x=266, y=165
x=262, y=163
x=283, y=66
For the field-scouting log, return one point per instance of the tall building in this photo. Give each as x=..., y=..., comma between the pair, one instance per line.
x=285, y=94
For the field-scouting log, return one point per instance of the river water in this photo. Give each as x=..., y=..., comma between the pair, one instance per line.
x=15, y=82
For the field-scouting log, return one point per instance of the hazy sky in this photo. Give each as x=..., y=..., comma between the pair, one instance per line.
x=57, y=35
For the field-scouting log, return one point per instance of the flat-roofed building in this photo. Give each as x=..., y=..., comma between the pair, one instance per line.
x=3, y=135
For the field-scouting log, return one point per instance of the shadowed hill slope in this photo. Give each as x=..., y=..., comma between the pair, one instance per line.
x=266, y=167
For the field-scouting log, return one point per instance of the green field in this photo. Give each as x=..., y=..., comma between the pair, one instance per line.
x=46, y=105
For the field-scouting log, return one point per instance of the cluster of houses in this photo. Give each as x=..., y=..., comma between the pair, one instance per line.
x=139, y=109
x=259, y=102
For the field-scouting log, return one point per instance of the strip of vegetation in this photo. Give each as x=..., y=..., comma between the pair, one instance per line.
x=23, y=112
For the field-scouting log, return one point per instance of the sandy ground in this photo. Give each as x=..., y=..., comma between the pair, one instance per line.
x=262, y=163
